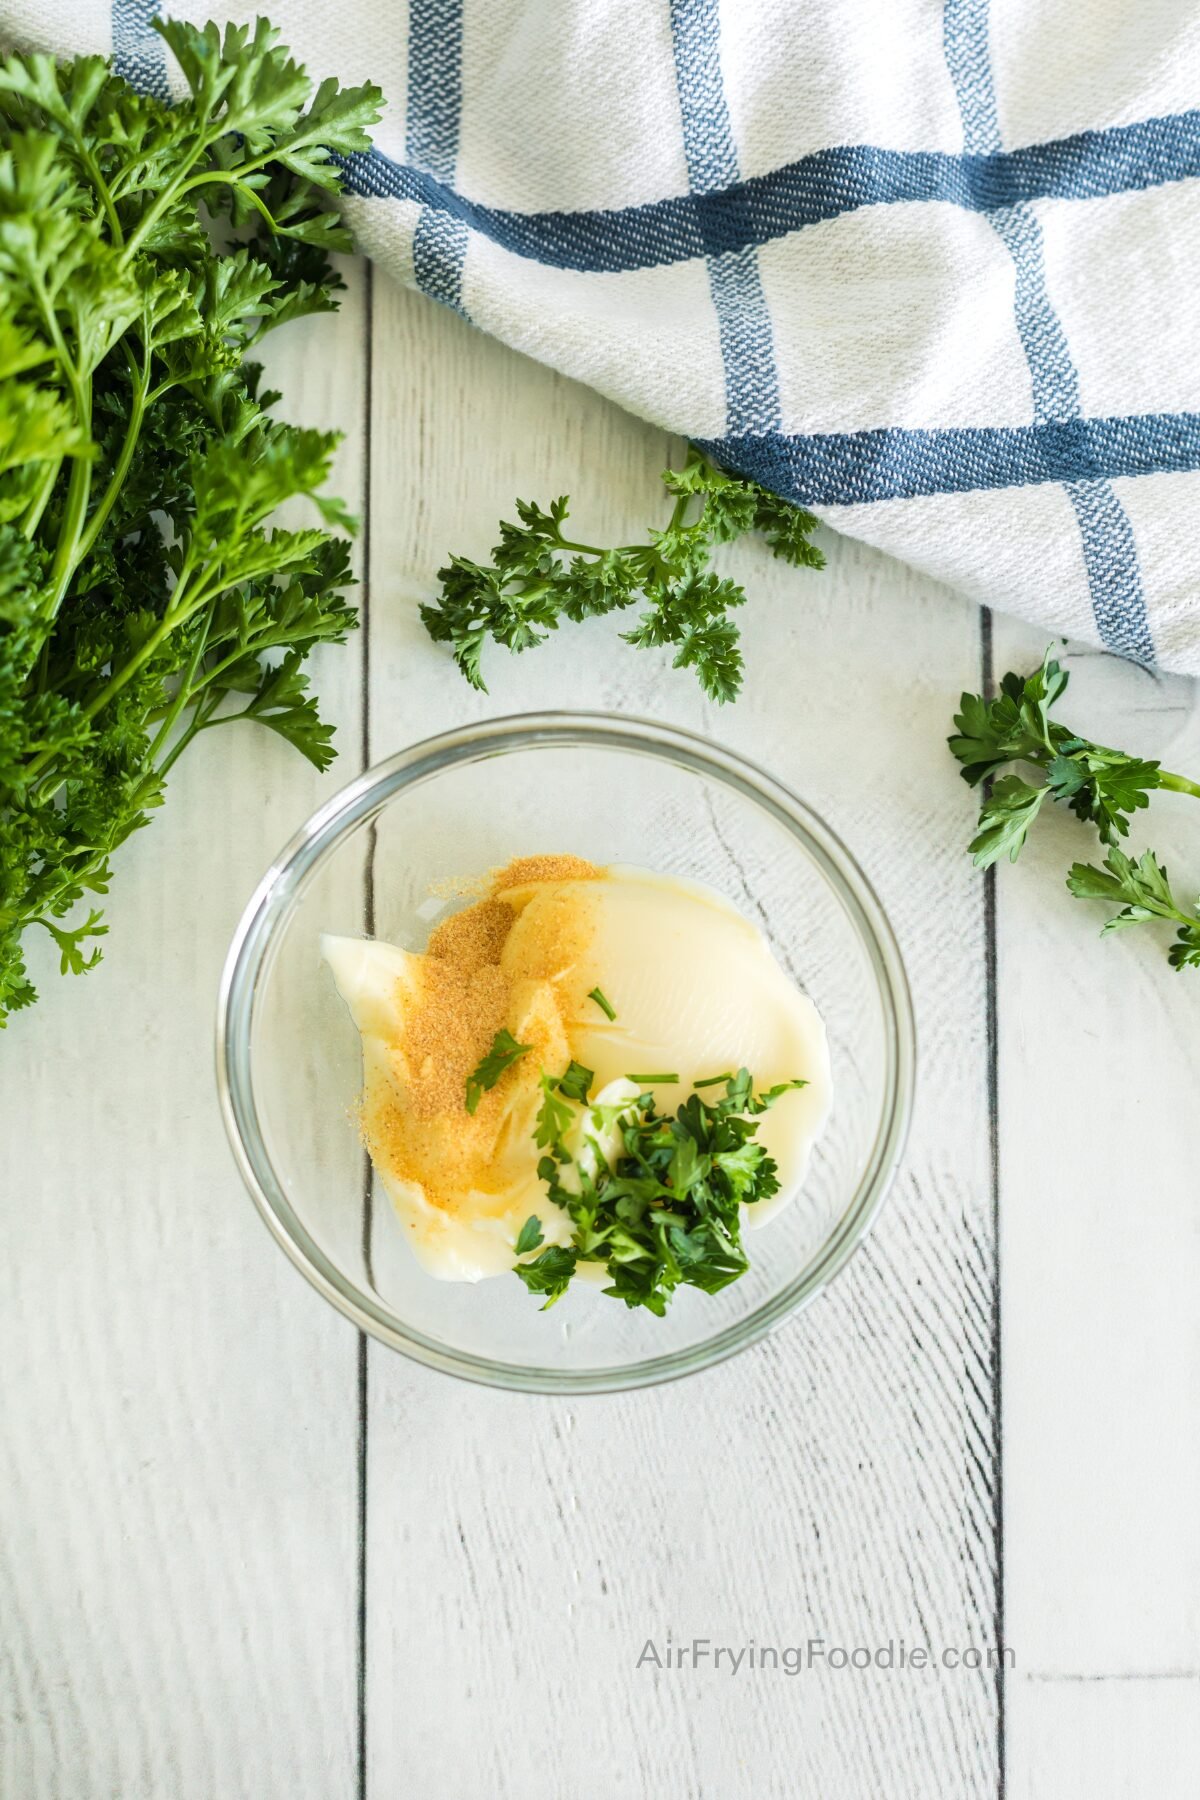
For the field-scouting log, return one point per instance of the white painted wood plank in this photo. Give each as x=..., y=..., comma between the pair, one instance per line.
x=1136, y=1739
x=834, y=1483
x=178, y=1496
x=1099, y=1073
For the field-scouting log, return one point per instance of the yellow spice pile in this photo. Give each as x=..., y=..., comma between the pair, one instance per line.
x=464, y=998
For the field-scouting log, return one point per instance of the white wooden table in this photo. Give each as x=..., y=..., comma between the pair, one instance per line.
x=242, y=1553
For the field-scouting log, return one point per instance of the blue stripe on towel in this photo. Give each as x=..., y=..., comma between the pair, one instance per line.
x=850, y=468
x=139, y=54
x=1087, y=166
x=1109, y=551
x=435, y=29
x=743, y=321
x=707, y=133
x=724, y=222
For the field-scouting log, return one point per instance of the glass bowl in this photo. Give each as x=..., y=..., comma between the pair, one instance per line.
x=612, y=790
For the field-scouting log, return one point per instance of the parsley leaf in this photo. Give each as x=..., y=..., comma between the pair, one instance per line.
x=576, y=1083
x=1004, y=820
x=504, y=1052
x=763, y=1102
x=1185, y=951
x=549, y=1274
x=145, y=596
x=1142, y=891
x=530, y=1235
x=1101, y=786
x=554, y=1117
x=539, y=576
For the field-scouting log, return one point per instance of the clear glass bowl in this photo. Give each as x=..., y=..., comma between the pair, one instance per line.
x=613, y=790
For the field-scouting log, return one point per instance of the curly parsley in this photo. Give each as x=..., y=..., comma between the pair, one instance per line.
x=143, y=597
x=539, y=576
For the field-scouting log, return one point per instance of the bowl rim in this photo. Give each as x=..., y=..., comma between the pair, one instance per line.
x=255, y=940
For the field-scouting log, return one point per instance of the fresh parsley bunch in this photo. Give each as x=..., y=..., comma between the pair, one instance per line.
x=141, y=587
x=1103, y=787
x=667, y=1213
x=539, y=576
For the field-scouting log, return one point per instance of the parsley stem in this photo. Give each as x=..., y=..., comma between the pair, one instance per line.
x=120, y=678
x=172, y=192
x=1179, y=784
x=67, y=555
x=87, y=157
x=137, y=409
x=276, y=640
x=244, y=193
x=186, y=693
x=38, y=504
x=252, y=165
x=200, y=720
x=563, y=543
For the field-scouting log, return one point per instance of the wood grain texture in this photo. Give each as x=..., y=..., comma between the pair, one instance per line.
x=180, y=1579
x=835, y=1483
x=1100, y=1068
x=177, y=1455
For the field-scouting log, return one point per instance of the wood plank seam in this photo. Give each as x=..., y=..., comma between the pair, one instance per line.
x=369, y=929
x=992, y=987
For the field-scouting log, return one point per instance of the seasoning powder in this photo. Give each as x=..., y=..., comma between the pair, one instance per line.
x=416, y=1123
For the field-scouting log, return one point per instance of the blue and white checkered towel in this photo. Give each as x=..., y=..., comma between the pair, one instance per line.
x=932, y=269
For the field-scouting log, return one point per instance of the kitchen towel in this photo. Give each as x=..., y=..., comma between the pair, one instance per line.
x=929, y=267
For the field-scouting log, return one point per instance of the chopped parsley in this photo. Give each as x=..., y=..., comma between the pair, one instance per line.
x=505, y=1051
x=666, y=1213
x=554, y=1117
x=530, y=1235
x=549, y=1274
x=576, y=1084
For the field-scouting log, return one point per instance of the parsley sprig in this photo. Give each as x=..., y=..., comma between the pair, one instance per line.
x=1141, y=889
x=144, y=598
x=1103, y=787
x=539, y=576
x=666, y=1213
